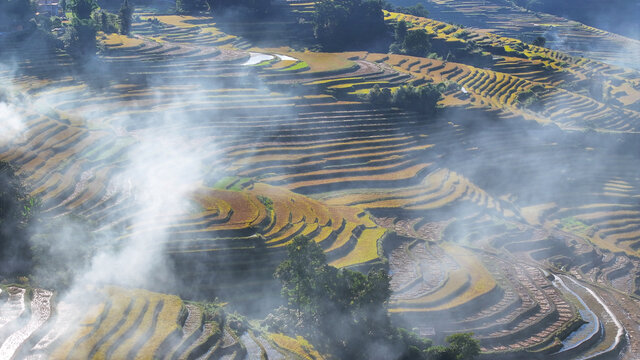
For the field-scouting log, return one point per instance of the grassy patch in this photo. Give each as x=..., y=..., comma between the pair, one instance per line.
x=299, y=346
x=297, y=66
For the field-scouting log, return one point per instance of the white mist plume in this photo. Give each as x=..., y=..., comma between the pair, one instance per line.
x=161, y=174
x=10, y=122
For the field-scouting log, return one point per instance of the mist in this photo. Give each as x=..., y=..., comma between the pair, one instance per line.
x=155, y=134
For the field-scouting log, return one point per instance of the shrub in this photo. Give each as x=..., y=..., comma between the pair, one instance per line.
x=530, y=99
x=380, y=97
x=422, y=99
x=56, y=22
x=268, y=203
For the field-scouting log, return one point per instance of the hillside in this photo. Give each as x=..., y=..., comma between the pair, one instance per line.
x=559, y=27
x=174, y=169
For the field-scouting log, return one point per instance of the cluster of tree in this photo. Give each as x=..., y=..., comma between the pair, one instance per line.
x=349, y=24
x=422, y=99
x=344, y=312
x=461, y=346
x=17, y=212
x=86, y=19
x=414, y=42
x=80, y=37
x=245, y=7
x=415, y=10
x=332, y=305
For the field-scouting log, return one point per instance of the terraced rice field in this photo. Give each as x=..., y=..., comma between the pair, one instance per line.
x=484, y=215
x=121, y=323
x=565, y=35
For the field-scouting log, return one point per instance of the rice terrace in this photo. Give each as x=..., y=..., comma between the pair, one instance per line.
x=334, y=179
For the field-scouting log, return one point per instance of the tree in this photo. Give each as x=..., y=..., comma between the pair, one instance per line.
x=415, y=10
x=401, y=31
x=82, y=9
x=124, y=18
x=380, y=97
x=416, y=43
x=17, y=212
x=339, y=308
x=186, y=6
x=345, y=311
x=80, y=38
x=340, y=24
x=464, y=346
x=440, y=352
x=539, y=41
x=299, y=273
x=105, y=21
x=423, y=99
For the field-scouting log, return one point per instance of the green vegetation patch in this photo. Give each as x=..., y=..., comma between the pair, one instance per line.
x=301, y=65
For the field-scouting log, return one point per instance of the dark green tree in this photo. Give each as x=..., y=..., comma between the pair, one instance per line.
x=339, y=308
x=82, y=9
x=17, y=212
x=539, y=41
x=415, y=10
x=344, y=312
x=401, y=31
x=300, y=274
x=105, y=21
x=380, y=97
x=416, y=43
x=341, y=24
x=124, y=18
x=440, y=352
x=423, y=99
x=464, y=346
x=80, y=38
